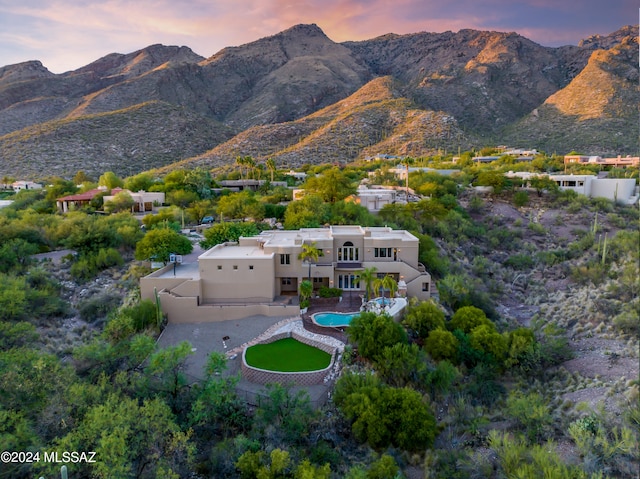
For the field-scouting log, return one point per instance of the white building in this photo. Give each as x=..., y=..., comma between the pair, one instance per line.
x=25, y=185
x=620, y=190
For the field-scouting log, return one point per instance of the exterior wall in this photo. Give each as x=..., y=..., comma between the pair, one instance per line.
x=616, y=189
x=247, y=279
x=311, y=378
x=151, y=281
x=236, y=280
x=187, y=310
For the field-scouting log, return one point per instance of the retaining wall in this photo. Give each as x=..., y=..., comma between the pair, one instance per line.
x=306, y=378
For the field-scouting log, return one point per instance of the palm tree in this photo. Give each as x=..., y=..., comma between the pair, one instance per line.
x=306, y=290
x=386, y=283
x=309, y=254
x=271, y=166
x=368, y=275
x=240, y=161
x=251, y=166
x=391, y=284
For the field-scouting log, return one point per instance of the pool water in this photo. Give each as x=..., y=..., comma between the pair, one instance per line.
x=334, y=319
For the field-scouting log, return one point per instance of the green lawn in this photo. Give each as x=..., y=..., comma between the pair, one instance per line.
x=287, y=355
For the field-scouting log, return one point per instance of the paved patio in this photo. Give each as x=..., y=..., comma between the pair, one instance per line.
x=209, y=337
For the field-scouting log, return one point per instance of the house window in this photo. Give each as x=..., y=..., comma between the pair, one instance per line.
x=348, y=281
x=384, y=252
x=235, y=266
x=219, y=266
x=425, y=286
x=285, y=258
x=348, y=253
x=250, y=266
x=285, y=281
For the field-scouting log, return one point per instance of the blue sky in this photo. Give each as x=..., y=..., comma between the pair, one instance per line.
x=67, y=34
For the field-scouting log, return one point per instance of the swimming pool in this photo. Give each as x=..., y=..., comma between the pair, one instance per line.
x=335, y=320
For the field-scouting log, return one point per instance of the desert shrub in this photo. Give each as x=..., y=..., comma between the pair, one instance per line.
x=372, y=333
x=519, y=261
x=521, y=198
x=98, y=306
x=424, y=317
x=441, y=344
x=467, y=318
x=143, y=314
x=532, y=414
x=486, y=339
x=628, y=321
x=484, y=387
x=325, y=292
x=90, y=264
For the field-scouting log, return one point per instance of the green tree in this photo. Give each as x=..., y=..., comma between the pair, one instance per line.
x=166, y=372
x=441, y=345
x=130, y=440
x=217, y=407
x=199, y=181
x=333, y=185
x=81, y=177
x=13, y=298
x=223, y=232
x=140, y=182
x=387, y=416
x=486, y=339
x=15, y=254
x=542, y=184
x=492, y=178
x=373, y=333
x=241, y=205
x=120, y=202
x=110, y=180
x=424, y=317
x=309, y=212
x=160, y=243
x=467, y=318
x=403, y=365
x=287, y=414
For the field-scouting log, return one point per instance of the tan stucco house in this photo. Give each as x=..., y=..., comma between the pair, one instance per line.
x=261, y=274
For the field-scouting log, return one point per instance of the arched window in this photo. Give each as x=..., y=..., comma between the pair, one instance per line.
x=348, y=253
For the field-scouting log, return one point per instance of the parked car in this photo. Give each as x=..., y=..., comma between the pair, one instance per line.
x=207, y=220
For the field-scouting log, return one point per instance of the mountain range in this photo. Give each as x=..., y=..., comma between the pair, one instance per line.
x=299, y=97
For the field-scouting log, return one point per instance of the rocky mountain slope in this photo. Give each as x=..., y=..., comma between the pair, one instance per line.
x=301, y=98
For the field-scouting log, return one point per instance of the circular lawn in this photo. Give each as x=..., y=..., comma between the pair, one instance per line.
x=287, y=355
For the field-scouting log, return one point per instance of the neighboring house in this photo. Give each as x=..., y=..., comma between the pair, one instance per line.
x=143, y=200
x=298, y=175
x=620, y=190
x=253, y=185
x=383, y=157
x=261, y=274
x=618, y=162
x=375, y=197
x=25, y=185
x=401, y=172
x=71, y=202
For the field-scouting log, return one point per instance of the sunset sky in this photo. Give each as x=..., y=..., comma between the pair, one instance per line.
x=67, y=34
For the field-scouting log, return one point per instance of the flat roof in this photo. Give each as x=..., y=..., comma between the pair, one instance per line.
x=233, y=251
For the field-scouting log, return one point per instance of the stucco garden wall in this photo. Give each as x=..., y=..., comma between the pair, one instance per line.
x=309, y=378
